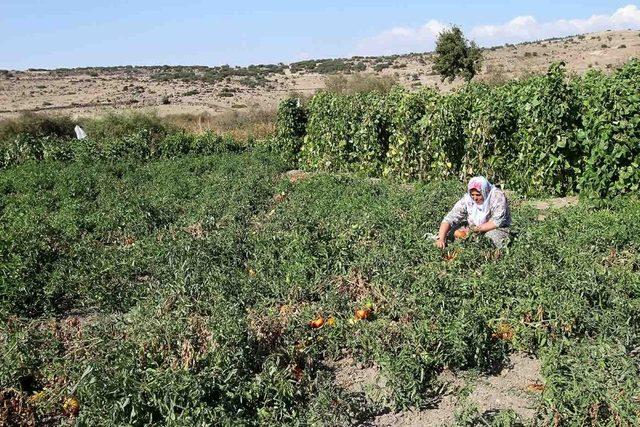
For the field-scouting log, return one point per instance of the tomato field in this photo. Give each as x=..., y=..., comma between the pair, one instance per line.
x=162, y=278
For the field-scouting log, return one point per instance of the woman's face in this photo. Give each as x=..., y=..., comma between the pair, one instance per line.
x=476, y=196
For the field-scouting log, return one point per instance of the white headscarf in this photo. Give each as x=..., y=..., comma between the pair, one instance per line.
x=478, y=214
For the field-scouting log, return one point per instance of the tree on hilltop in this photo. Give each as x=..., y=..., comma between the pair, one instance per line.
x=456, y=56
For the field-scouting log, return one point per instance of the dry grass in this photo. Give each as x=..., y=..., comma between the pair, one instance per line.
x=359, y=83
x=494, y=75
x=256, y=123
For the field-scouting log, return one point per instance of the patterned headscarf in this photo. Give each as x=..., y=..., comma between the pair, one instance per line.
x=478, y=214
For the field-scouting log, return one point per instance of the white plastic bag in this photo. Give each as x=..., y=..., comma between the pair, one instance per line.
x=80, y=133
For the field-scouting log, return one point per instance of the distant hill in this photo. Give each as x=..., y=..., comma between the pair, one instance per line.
x=215, y=90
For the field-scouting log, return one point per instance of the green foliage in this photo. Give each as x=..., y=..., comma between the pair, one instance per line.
x=141, y=145
x=115, y=135
x=422, y=144
x=550, y=158
x=606, y=371
x=489, y=142
x=455, y=56
x=346, y=133
x=125, y=124
x=443, y=136
x=88, y=217
x=179, y=291
x=252, y=76
x=405, y=154
x=546, y=134
x=326, y=66
x=291, y=128
x=381, y=66
x=34, y=125
x=610, y=132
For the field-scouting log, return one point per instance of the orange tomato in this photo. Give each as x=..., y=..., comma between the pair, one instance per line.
x=316, y=323
x=362, y=314
x=461, y=234
x=451, y=255
x=503, y=332
x=37, y=397
x=71, y=406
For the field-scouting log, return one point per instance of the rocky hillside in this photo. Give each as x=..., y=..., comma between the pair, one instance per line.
x=216, y=90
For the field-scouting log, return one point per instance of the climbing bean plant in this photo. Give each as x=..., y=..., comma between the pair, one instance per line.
x=551, y=134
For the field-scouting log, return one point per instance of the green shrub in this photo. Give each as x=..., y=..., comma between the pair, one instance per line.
x=489, y=146
x=456, y=56
x=124, y=124
x=36, y=125
x=610, y=132
x=346, y=133
x=381, y=66
x=291, y=128
x=535, y=136
x=142, y=145
x=407, y=156
x=549, y=156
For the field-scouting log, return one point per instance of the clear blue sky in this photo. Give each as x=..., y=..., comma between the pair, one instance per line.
x=71, y=33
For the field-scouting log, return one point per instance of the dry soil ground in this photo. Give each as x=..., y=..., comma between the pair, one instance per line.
x=516, y=386
x=94, y=91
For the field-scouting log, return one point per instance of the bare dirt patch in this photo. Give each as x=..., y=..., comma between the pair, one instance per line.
x=357, y=378
x=556, y=203
x=296, y=175
x=515, y=387
x=547, y=205
x=510, y=389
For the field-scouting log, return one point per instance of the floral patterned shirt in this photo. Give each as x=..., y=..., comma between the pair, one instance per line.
x=498, y=211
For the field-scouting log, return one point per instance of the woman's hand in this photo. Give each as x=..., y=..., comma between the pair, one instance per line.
x=442, y=235
x=487, y=226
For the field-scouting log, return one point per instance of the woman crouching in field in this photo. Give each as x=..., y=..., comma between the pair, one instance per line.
x=484, y=209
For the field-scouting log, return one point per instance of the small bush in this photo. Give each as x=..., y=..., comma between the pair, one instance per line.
x=359, y=83
x=37, y=125
x=610, y=132
x=291, y=125
x=124, y=124
x=381, y=66
x=346, y=132
x=239, y=124
x=456, y=56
